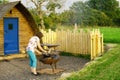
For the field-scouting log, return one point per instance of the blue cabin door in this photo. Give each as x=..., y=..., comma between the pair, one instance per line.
x=11, y=43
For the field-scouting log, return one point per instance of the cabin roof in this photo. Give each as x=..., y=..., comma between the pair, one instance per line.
x=4, y=8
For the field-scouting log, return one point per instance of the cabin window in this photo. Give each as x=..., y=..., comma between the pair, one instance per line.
x=10, y=11
x=10, y=26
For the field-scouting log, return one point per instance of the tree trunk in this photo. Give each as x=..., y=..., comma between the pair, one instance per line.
x=40, y=13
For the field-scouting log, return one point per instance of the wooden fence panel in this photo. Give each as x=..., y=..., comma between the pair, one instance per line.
x=83, y=42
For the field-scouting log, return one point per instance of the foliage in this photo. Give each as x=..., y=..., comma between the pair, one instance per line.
x=35, y=16
x=52, y=21
x=67, y=18
x=103, y=5
x=3, y=1
x=89, y=13
x=80, y=10
x=117, y=19
x=52, y=5
x=105, y=67
x=109, y=7
x=82, y=14
x=99, y=18
x=49, y=5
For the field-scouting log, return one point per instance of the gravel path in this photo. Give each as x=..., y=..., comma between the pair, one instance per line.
x=18, y=69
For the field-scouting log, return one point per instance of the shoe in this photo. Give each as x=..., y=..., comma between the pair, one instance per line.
x=35, y=74
x=38, y=73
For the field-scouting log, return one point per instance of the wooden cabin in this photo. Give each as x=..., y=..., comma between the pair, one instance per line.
x=16, y=27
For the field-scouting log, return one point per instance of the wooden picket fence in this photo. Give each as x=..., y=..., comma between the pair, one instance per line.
x=81, y=41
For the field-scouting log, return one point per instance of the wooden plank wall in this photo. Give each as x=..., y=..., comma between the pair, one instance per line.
x=1, y=38
x=76, y=42
x=25, y=30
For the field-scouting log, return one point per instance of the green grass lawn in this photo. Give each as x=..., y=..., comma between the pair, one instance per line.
x=106, y=67
x=111, y=35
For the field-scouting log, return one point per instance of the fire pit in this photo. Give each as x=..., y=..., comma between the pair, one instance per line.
x=51, y=59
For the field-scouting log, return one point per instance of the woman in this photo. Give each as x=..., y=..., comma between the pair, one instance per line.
x=32, y=47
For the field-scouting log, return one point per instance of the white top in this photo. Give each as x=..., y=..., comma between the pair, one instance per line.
x=32, y=43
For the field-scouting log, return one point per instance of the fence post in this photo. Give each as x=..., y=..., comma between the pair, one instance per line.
x=102, y=45
x=91, y=46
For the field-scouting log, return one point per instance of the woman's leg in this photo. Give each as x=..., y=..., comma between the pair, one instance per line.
x=33, y=61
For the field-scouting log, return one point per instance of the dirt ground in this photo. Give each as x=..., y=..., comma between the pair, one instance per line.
x=18, y=69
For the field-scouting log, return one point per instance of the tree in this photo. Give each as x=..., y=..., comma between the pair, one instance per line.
x=3, y=1
x=99, y=18
x=66, y=17
x=109, y=7
x=50, y=6
x=82, y=14
x=52, y=21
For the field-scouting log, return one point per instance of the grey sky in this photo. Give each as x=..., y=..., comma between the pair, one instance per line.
x=66, y=5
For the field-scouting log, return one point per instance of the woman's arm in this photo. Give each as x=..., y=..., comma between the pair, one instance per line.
x=37, y=51
x=40, y=47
